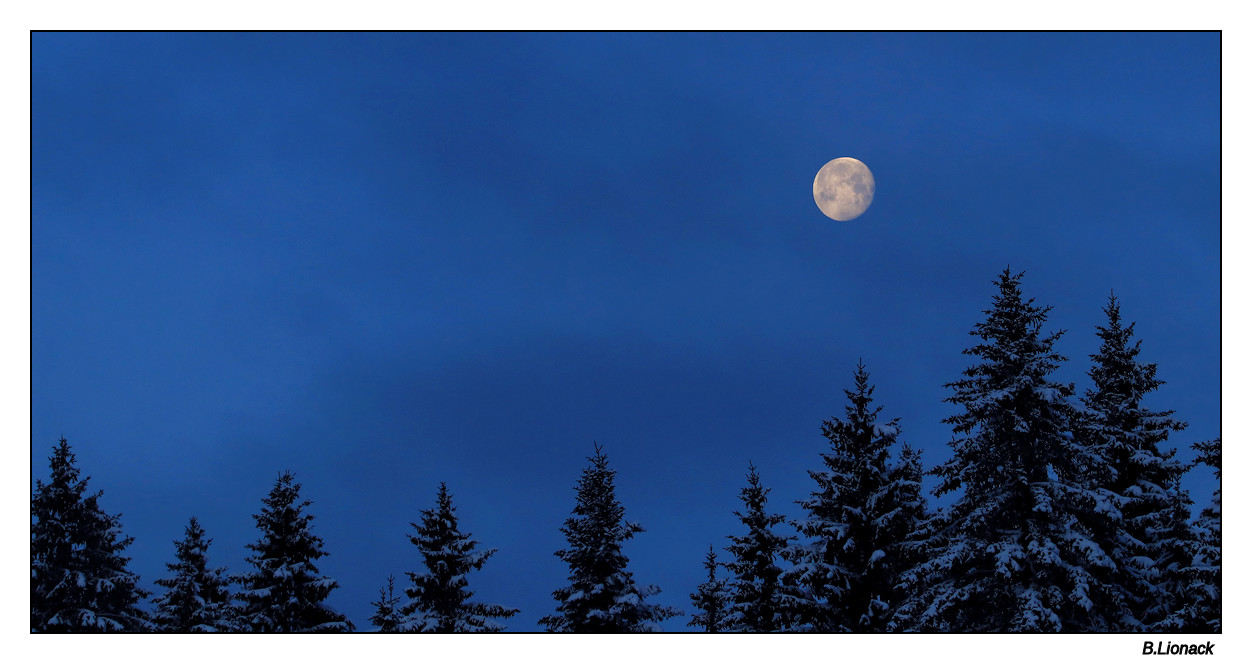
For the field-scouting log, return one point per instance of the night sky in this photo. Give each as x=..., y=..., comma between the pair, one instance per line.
x=383, y=261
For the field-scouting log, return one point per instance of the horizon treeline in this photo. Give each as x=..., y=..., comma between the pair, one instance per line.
x=1069, y=515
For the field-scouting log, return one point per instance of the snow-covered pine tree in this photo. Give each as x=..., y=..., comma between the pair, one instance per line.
x=858, y=521
x=1014, y=552
x=198, y=598
x=441, y=596
x=1172, y=577
x=602, y=596
x=1201, y=610
x=79, y=581
x=387, y=617
x=285, y=592
x=901, y=507
x=760, y=602
x=1150, y=539
x=710, y=599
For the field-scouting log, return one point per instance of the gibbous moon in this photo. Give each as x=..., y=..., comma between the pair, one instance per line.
x=843, y=188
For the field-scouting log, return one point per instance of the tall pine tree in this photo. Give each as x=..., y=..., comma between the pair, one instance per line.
x=285, y=592
x=602, y=596
x=79, y=581
x=1015, y=551
x=441, y=596
x=197, y=597
x=710, y=599
x=1150, y=536
x=859, y=520
x=759, y=600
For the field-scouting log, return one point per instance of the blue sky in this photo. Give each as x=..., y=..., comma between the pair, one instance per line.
x=383, y=261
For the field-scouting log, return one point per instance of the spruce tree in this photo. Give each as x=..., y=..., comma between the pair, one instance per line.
x=285, y=592
x=602, y=596
x=387, y=616
x=79, y=581
x=902, y=516
x=759, y=600
x=1201, y=578
x=441, y=596
x=1172, y=576
x=1015, y=551
x=861, y=515
x=198, y=598
x=1149, y=535
x=710, y=599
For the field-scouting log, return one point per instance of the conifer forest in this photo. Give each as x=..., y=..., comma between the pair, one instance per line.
x=1060, y=508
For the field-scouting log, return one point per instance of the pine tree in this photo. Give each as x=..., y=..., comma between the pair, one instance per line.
x=1172, y=575
x=1201, y=578
x=602, y=596
x=901, y=506
x=440, y=597
x=759, y=600
x=1015, y=551
x=79, y=581
x=1149, y=536
x=198, y=598
x=859, y=520
x=387, y=617
x=710, y=599
x=285, y=592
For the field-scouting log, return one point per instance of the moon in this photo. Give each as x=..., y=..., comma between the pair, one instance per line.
x=843, y=188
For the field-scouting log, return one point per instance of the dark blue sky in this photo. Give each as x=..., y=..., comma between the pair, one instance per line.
x=383, y=261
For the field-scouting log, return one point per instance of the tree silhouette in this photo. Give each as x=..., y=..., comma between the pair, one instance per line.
x=602, y=595
x=79, y=581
